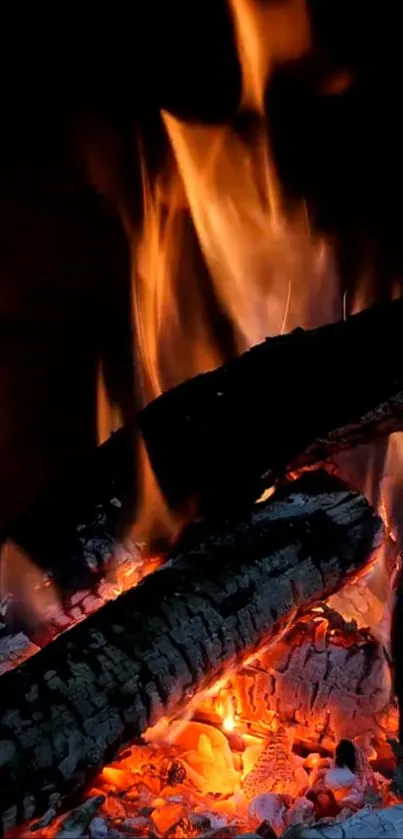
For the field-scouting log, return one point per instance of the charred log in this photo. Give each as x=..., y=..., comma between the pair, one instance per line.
x=67, y=710
x=91, y=512
x=225, y=436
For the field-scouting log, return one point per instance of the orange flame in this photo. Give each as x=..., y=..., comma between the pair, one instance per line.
x=109, y=417
x=228, y=722
x=215, y=219
x=268, y=34
x=35, y=598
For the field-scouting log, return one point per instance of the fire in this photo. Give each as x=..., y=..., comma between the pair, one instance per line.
x=228, y=722
x=109, y=417
x=232, y=763
x=219, y=240
x=268, y=34
x=34, y=597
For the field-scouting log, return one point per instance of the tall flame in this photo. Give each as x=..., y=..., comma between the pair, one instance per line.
x=267, y=34
x=216, y=217
x=218, y=227
x=221, y=184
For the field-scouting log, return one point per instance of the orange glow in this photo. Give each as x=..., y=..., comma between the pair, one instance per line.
x=214, y=767
x=109, y=418
x=132, y=574
x=268, y=34
x=321, y=630
x=228, y=724
x=34, y=596
x=217, y=226
x=312, y=761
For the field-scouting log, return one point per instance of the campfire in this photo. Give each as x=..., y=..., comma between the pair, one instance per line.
x=240, y=677
x=235, y=687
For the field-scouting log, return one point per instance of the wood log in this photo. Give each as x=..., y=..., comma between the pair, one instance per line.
x=67, y=710
x=290, y=402
x=324, y=678
x=92, y=512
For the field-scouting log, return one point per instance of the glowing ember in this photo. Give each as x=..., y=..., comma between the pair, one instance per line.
x=247, y=755
x=219, y=236
x=228, y=724
x=25, y=593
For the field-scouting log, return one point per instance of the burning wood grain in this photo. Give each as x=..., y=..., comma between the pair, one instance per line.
x=325, y=677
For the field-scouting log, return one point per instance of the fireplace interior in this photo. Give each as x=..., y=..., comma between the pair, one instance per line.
x=201, y=442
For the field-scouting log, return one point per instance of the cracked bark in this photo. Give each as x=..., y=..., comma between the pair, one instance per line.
x=325, y=678
x=67, y=710
x=224, y=436
x=92, y=512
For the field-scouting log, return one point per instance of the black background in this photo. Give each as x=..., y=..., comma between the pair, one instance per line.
x=79, y=82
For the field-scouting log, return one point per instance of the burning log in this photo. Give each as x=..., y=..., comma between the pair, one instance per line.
x=91, y=512
x=67, y=710
x=225, y=436
x=325, y=679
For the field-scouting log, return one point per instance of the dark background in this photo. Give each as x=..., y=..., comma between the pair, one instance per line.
x=75, y=87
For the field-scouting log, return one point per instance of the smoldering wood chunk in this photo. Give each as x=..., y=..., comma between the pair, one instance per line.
x=67, y=710
x=325, y=678
x=292, y=401
x=73, y=532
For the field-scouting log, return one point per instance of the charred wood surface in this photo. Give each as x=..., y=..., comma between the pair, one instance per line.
x=73, y=532
x=292, y=401
x=325, y=678
x=67, y=710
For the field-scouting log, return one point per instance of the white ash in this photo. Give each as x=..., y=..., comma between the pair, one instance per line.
x=269, y=807
x=325, y=678
x=301, y=812
x=339, y=777
x=367, y=824
x=368, y=600
x=98, y=828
